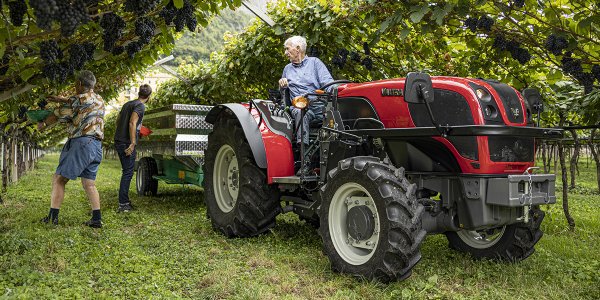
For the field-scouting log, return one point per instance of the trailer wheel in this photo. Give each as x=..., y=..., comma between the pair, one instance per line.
x=370, y=220
x=144, y=183
x=238, y=199
x=512, y=243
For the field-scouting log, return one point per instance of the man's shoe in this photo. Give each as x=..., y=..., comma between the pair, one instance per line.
x=47, y=220
x=93, y=223
x=125, y=207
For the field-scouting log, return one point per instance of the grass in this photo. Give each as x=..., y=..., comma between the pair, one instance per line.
x=166, y=248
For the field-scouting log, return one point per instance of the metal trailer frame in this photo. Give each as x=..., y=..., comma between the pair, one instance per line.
x=177, y=143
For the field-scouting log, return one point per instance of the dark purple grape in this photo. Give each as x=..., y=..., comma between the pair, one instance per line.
x=44, y=11
x=519, y=3
x=485, y=23
x=471, y=23
x=355, y=56
x=368, y=63
x=17, y=9
x=500, y=43
x=313, y=51
x=50, y=51
x=596, y=71
x=4, y=64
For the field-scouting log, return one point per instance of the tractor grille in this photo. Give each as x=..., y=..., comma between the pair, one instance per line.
x=449, y=108
x=507, y=149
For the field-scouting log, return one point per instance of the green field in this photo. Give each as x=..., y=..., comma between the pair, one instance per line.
x=166, y=248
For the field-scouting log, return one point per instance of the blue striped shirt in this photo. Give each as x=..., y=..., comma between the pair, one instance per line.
x=306, y=77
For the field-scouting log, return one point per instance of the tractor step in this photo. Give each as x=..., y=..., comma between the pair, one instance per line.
x=294, y=179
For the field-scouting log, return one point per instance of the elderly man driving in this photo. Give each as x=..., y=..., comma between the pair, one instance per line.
x=303, y=75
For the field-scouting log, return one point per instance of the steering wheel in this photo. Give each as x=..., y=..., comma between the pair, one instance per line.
x=335, y=82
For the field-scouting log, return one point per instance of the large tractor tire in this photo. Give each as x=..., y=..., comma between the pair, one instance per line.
x=370, y=220
x=145, y=184
x=238, y=199
x=511, y=243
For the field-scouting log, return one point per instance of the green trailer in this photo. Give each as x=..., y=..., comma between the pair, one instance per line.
x=174, y=152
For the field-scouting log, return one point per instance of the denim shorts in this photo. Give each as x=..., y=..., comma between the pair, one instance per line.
x=80, y=157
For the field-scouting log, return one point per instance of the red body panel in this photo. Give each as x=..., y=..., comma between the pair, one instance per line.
x=280, y=158
x=394, y=113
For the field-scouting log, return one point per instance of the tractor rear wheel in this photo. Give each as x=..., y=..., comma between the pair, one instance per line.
x=370, y=220
x=145, y=184
x=512, y=243
x=238, y=199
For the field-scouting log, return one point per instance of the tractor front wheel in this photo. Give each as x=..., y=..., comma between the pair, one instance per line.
x=238, y=199
x=512, y=243
x=370, y=220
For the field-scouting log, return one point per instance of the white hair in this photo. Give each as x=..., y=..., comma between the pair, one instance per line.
x=296, y=41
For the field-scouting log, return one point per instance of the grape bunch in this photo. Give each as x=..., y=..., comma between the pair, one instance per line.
x=140, y=7
x=485, y=23
x=144, y=28
x=42, y=104
x=17, y=9
x=556, y=44
x=117, y=50
x=70, y=16
x=520, y=54
x=79, y=54
x=500, y=43
x=519, y=3
x=596, y=72
x=113, y=26
x=50, y=51
x=313, y=51
x=514, y=47
x=133, y=48
x=339, y=60
x=22, y=111
x=185, y=17
x=572, y=66
x=44, y=11
x=355, y=57
x=368, y=63
x=4, y=64
x=366, y=48
x=168, y=13
x=182, y=18
x=587, y=80
x=57, y=71
x=343, y=53
x=471, y=23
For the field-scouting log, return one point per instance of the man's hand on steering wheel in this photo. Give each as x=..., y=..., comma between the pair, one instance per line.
x=283, y=83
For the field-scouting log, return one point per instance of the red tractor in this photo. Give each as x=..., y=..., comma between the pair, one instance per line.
x=392, y=161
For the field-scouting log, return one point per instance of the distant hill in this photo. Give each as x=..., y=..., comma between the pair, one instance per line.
x=195, y=46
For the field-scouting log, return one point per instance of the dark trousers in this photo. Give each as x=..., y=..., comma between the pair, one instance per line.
x=127, y=163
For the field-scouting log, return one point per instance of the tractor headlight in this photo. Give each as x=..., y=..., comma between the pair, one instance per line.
x=300, y=102
x=490, y=111
x=483, y=95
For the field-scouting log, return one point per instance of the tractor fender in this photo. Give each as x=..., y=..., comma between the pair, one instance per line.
x=248, y=123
